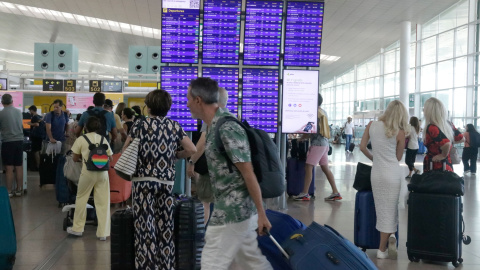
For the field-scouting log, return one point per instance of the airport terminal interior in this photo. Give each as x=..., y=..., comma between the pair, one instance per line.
x=273, y=57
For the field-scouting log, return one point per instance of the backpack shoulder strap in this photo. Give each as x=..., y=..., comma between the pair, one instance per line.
x=218, y=140
x=88, y=141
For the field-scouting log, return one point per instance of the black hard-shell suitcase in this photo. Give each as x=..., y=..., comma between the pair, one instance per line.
x=435, y=230
x=189, y=233
x=48, y=169
x=351, y=147
x=8, y=240
x=122, y=240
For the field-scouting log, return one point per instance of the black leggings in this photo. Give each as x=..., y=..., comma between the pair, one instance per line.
x=469, y=155
x=410, y=157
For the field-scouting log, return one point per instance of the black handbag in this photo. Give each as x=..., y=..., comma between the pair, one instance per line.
x=201, y=166
x=330, y=150
x=437, y=182
x=362, y=177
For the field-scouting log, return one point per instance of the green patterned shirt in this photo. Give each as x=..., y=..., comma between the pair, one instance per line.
x=233, y=202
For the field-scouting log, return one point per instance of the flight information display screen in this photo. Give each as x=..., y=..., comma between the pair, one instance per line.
x=260, y=98
x=221, y=31
x=180, y=31
x=227, y=78
x=303, y=34
x=175, y=80
x=263, y=31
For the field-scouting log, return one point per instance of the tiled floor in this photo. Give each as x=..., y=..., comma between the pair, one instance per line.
x=42, y=244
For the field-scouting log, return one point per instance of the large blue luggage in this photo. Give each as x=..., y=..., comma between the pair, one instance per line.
x=366, y=235
x=296, y=177
x=321, y=247
x=421, y=148
x=8, y=240
x=283, y=227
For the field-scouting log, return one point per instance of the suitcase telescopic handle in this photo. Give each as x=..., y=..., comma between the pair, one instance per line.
x=267, y=232
x=444, y=165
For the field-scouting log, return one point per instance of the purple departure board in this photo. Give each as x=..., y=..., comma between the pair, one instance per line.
x=303, y=35
x=180, y=34
x=263, y=31
x=227, y=78
x=221, y=31
x=175, y=80
x=260, y=98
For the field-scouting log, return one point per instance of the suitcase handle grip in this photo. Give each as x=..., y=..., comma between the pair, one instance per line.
x=334, y=231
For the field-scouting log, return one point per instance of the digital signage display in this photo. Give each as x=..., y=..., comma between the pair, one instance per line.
x=180, y=31
x=303, y=34
x=79, y=102
x=260, y=98
x=53, y=85
x=3, y=84
x=175, y=80
x=227, y=78
x=263, y=31
x=300, y=101
x=17, y=98
x=112, y=86
x=221, y=31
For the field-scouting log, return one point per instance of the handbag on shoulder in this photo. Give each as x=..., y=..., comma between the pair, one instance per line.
x=127, y=163
x=362, y=177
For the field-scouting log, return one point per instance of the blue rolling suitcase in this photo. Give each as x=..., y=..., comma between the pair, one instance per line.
x=321, y=247
x=366, y=235
x=8, y=240
x=296, y=176
x=283, y=226
x=421, y=148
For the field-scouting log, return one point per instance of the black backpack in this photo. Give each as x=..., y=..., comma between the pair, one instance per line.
x=98, y=157
x=101, y=115
x=474, y=139
x=265, y=158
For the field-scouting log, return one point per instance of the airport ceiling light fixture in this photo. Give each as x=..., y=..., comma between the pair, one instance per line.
x=65, y=17
x=329, y=58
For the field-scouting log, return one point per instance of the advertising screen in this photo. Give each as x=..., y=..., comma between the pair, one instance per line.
x=180, y=31
x=260, y=98
x=175, y=80
x=300, y=101
x=221, y=31
x=17, y=98
x=227, y=78
x=3, y=84
x=303, y=34
x=112, y=86
x=79, y=102
x=263, y=31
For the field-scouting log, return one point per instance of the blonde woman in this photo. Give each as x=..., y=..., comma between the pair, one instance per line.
x=439, y=135
x=387, y=136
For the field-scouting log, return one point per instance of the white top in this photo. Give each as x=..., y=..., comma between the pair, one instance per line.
x=349, y=128
x=413, y=140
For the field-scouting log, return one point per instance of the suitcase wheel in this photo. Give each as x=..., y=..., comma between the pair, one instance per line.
x=466, y=240
x=412, y=258
x=65, y=223
x=456, y=263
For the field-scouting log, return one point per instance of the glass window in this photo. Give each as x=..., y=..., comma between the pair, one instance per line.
x=389, y=85
x=447, y=19
x=460, y=71
x=346, y=110
x=460, y=102
x=346, y=92
x=445, y=46
x=397, y=62
x=462, y=13
x=397, y=83
x=387, y=101
x=373, y=67
x=461, y=41
x=370, y=88
x=424, y=98
x=411, y=81
x=370, y=105
x=430, y=28
x=338, y=111
x=413, y=54
x=429, y=50
x=377, y=87
x=361, y=72
x=339, y=94
x=361, y=90
x=445, y=75
x=427, y=78
x=446, y=98
x=389, y=62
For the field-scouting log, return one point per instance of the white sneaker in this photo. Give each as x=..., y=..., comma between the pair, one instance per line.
x=72, y=232
x=102, y=238
x=466, y=172
x=392, y=247
x=382, y=255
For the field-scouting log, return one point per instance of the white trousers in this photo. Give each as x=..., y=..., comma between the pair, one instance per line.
x=234, y=241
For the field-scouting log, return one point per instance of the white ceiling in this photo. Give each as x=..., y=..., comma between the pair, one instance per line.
x=353, y=29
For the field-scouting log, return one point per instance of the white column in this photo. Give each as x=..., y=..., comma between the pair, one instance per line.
x=418, y=106
x=405, y=61
x=381, y=92
x=471, y=93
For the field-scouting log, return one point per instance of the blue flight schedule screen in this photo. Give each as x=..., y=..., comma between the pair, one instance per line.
x=260, y=98
x=221, y=31
x=303, y=35
x=263, y=33
x=175, y=80
x=228, y=79
x=180, y=34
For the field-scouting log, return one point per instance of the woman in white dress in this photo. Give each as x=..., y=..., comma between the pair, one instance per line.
x=387, y=136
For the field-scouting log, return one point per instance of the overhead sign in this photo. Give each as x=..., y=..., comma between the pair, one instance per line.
x=112, y=86
x=3, y=84
x=53, y=85
x=70, y=85
x=300, y=101
x=95, y=86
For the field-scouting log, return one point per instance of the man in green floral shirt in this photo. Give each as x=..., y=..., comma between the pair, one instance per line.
x=238, y=209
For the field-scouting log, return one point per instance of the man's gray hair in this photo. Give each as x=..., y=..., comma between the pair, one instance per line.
x=206, y=89
x=222, y=97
